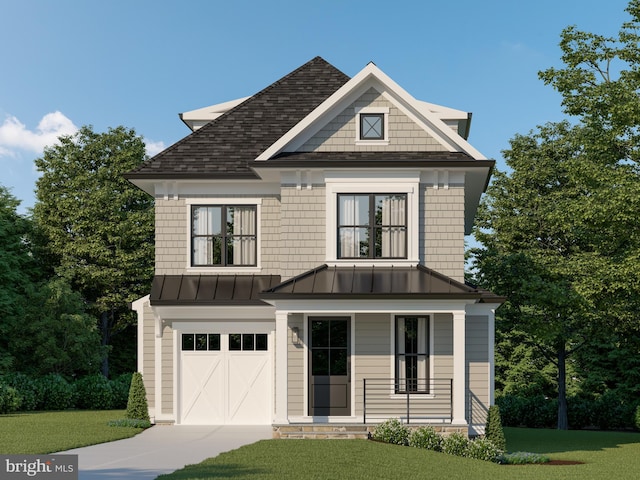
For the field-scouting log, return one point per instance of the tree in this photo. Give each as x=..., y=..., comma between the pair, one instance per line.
x=16, y=272
x=98, y=227
x=560, y=232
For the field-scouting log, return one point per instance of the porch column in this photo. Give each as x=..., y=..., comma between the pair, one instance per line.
x=459, y=368
x=282, y=337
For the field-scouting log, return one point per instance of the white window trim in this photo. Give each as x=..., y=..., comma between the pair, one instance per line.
x=408, y=186
x=189, y=202
x=376, y=110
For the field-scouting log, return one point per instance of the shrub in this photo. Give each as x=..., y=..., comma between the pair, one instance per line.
x=483, y=449
x=129, y=422
x=54, y=393
x=120, y=389
x=580, y=411
x=10, y=400
x=392, y=431
x=455, y=444
x=426, y=437
x=494, y=432
x=137, y=407
x=636, y=419
x=27, y=390
x=522, y=458
x=94, y=392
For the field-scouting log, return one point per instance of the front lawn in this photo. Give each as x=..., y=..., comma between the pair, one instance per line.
x=606, y=455
x=48, y=432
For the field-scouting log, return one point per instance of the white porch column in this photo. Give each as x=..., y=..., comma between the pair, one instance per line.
x=282, y=338
x=459, y=368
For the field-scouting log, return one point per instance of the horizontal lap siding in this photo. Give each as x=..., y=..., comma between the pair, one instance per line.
x=148, y=358
x=477, y=353
x=443, y=346
x=373, y=357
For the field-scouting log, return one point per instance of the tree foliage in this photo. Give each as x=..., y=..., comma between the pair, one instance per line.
x=560, y=230
x=97, y=227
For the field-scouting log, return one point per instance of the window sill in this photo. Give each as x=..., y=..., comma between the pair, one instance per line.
x=372, y=142
x=225, y=270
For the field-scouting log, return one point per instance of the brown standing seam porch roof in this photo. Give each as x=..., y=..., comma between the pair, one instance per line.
x=414, y=282
x=210, y=289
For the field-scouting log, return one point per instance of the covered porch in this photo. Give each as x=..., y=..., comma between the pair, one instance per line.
x=368, y=371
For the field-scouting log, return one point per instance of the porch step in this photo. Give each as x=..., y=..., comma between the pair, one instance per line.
x=347, y=430
x=325, y=431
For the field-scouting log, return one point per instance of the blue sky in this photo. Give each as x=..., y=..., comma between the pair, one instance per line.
x=138, y=63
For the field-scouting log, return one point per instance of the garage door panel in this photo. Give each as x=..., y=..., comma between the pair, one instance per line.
x=203, y=399
x=249, y=381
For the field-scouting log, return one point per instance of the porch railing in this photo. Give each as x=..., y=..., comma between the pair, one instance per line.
x=429, y=401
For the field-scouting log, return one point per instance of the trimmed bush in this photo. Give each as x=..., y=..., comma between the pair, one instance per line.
x=494, y=432
x=54, y=393
x=94, y=392
x=522, y=458
x=455, y=444
x=636, y=419
x=10, y=400
x=426, y=437
x=483, y=449
x=137, y=407
x=392, y=431
x=129, y=422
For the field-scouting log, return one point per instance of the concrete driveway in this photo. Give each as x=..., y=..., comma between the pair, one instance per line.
x=162, y=449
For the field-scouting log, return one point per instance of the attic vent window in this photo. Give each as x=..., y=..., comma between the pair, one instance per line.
x=372, y=126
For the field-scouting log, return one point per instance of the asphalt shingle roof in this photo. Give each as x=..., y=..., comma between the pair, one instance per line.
x=226, y=146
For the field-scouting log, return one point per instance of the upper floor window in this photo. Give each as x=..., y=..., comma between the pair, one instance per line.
x=223, y=235
x=372, y=226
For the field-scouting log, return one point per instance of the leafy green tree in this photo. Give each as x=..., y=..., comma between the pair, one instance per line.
x=560, y=231
x=97, y=226
x=57, y=336
x=15, y=265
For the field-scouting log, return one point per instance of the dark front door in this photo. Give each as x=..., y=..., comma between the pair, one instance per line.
x=329, y=378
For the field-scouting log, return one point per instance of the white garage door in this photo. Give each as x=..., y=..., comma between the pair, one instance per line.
x=225, y=379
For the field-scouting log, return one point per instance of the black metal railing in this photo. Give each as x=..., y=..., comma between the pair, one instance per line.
x=421, y=401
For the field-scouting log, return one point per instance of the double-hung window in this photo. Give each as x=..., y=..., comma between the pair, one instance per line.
x=223, y=235
x=372, y=226
x=412, y=354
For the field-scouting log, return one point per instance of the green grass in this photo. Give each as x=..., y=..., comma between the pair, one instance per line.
x=606, y=455
x=48, y=432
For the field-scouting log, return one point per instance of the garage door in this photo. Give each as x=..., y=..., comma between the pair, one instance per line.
x=225, y=379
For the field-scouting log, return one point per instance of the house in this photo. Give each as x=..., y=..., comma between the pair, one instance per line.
x=310, y=261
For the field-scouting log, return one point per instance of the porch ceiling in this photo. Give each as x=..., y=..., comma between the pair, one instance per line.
x=376, y=282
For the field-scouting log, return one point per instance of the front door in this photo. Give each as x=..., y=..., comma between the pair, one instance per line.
x=329, y=365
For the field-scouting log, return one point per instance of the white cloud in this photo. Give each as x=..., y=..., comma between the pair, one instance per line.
x=153, y=148
x=14, y=135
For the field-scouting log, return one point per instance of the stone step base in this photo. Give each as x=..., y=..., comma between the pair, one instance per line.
x=343, y=430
